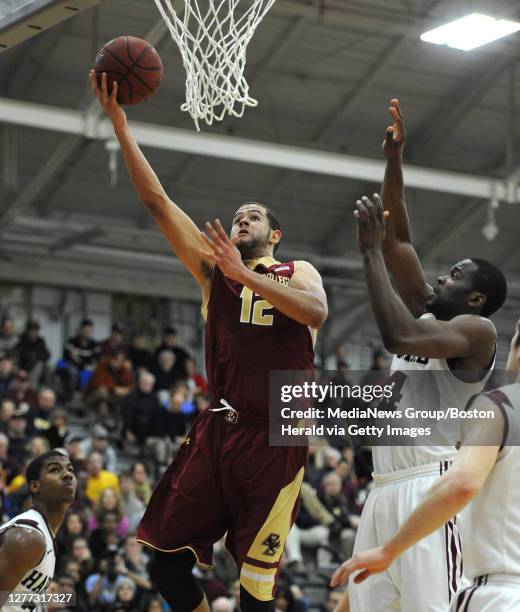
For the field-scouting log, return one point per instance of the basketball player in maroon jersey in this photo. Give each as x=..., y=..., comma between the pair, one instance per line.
x=260, y=315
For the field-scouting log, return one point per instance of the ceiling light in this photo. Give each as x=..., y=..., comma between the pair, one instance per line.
x=471, y=32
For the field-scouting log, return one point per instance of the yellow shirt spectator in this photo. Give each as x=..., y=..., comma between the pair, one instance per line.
x=98, y=478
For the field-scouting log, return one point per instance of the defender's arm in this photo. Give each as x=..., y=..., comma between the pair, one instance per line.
x=180, y=231
x=448, y=496
x=400, y=256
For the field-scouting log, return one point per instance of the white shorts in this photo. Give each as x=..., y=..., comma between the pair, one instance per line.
x=492, y=593
x=427, y=576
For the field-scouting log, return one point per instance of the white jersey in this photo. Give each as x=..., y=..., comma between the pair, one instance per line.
x=37, y=579
x=491, y=522
x=441, y=389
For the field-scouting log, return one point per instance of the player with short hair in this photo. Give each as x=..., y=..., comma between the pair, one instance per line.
x=27, y=547
x=483, y=484
x=441, y=337
x=261, y=315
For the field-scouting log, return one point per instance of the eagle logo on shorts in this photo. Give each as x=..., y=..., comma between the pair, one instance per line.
x=273, y=544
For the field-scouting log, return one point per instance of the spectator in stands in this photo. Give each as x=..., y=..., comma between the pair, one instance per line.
x=115, y=342
x=100, y=443
x=174, y=420
x=31, y=353
x=83, y=555
x=82, y=503
x=166, y=374
x=17, y=433
x=126, y=595
x=58, y=430
x=37, y=446
x=80, y=354
x=349, y=485
x=104, y=538
x=155, y=604
x=378, y=373
x=221, y=604
x=313, y=527
x=336, y=503
x=9, y=467
x=72, y=444
x=138, y=354
x=169, y=343
x=141, y=478
x=42, y=410
x=132, y=506
x=224, y=567
x=108, y=502
x=111, y=380
x=7, y=408
x=20, y=389
x=141, y=411
x=7, y=372
x=195, y=380
x=334, y=598
x=8, y=339
x=99, y=479
x=136, y=561
x=74, y=526
x=102, y=586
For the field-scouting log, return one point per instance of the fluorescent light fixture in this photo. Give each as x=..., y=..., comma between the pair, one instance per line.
x=471, y=32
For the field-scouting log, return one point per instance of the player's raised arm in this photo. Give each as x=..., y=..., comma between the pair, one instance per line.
x=180, y=231
x=400, y=256
x=304, y=300
x=20, y=550
x=460, y=337
x=446, y=498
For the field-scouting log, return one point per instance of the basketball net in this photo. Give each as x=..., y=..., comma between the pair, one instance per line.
x=212, y=37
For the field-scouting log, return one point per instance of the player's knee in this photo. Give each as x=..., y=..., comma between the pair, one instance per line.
x=172, y=574
x=250, y=603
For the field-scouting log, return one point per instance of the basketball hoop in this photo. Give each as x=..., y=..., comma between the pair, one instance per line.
x=212, y=36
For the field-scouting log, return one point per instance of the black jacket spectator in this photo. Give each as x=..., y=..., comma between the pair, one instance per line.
x=31, y=348
x=82, y=350
x=165, y=372
x=138, y=354
x=141, y=410
x=169, y=343
x=7, y=373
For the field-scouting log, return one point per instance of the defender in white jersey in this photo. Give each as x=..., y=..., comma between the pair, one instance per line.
x=442, y=330
x=485, y=473
x=27, y=550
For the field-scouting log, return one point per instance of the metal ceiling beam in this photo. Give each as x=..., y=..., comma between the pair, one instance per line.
x=77, y=237
x=251, y=151
x=454, y=108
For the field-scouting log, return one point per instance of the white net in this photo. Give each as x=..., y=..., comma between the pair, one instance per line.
x=212, y=36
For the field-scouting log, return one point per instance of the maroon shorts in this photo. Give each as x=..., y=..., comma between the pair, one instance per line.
x=226, y=478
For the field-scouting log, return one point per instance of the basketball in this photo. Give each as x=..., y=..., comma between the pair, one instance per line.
x=134, y=64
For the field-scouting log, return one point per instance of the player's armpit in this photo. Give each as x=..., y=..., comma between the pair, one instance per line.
x=405, y=268
x=20, y=550
x=461, y=337
x=307, y=278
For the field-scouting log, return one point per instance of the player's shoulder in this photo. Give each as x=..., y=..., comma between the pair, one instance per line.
x=475, y=324
x=23, y=544
x=304, y=267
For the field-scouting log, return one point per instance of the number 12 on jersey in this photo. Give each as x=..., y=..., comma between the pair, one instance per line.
x=253, y=312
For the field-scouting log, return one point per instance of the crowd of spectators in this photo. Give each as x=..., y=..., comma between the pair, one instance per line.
x=120, y=409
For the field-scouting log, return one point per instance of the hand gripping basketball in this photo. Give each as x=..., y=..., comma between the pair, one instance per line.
x=108, y=101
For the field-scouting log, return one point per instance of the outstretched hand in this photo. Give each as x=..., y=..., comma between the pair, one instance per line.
x=396, y=133
x=366, y=563
x=221, y=250
x=107, y=100
x=370, y=215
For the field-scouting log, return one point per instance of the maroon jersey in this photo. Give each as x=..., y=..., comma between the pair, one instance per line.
x=246, y=338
